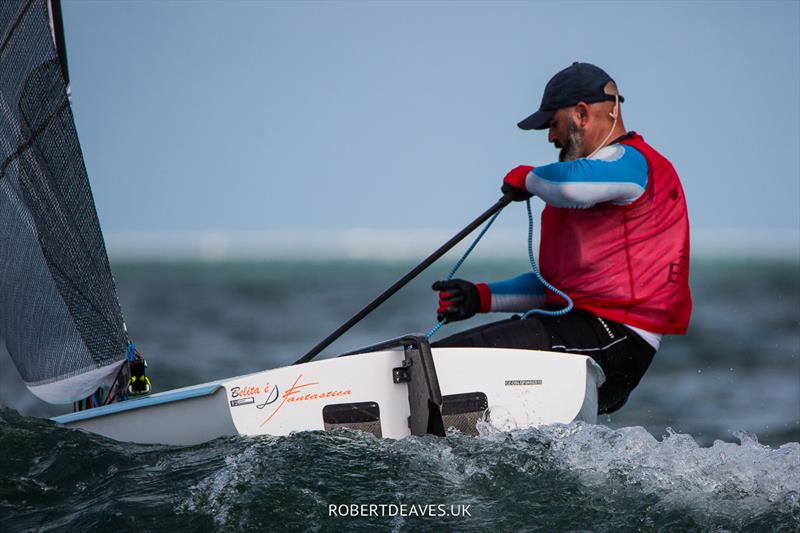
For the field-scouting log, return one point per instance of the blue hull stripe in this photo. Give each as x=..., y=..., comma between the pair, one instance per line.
x=129, y=405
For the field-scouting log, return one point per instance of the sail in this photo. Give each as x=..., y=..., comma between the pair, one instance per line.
x=59, y=314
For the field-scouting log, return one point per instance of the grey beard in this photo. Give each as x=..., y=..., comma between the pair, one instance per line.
x=574, y=146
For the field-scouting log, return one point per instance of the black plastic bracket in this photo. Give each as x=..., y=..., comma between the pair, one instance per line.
x=401, y=374
x=419, y=372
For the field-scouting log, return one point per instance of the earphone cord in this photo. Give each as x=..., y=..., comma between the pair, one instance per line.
x=614, y=114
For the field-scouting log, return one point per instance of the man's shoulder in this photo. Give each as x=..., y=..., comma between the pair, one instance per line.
x=656, y=161
x=624, y=153
x=636, y=141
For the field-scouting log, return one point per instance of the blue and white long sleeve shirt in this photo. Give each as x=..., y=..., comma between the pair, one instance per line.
x=616, y=174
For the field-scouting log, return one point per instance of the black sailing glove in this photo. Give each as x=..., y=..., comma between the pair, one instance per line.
x=459, y=299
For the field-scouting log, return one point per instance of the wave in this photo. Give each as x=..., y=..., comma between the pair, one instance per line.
x=560, y=476
x=573, y=476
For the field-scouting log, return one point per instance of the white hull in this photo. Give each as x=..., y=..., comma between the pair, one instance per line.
x=507, y=388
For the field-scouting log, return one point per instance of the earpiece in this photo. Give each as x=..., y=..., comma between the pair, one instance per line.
x=613, y=113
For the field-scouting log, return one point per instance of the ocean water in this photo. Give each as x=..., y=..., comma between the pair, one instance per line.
x=708, y=441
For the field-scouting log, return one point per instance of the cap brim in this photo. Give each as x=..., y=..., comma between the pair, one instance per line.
x=538, y=121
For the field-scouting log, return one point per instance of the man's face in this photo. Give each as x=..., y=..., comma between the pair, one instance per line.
x=565, y=135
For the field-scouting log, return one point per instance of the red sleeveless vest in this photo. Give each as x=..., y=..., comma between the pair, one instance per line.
x=625, y=263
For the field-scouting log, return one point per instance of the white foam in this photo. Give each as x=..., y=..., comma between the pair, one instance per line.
x=722, y=479
x=726, y=482
x=211, y=495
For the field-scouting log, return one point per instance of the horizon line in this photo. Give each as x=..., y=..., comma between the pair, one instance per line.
x=394, y=244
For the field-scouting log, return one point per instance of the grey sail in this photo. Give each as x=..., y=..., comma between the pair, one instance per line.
x=59, y=314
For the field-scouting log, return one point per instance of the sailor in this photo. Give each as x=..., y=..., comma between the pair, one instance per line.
x=614, y=238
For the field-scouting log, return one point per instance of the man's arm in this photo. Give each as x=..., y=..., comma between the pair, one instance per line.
x=516, y=295
x=460, y=299
x=617, y=174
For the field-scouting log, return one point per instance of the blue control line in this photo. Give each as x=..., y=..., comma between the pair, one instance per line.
x=534, y=269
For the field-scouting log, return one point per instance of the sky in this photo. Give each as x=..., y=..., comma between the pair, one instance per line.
x=388, y=120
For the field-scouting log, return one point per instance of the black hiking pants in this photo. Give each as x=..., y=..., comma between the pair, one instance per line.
x=622, y=354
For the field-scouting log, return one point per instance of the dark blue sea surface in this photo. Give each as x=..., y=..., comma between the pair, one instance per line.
x=708, y=441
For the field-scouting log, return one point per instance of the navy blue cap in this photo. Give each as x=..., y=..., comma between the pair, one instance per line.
x=579, y=82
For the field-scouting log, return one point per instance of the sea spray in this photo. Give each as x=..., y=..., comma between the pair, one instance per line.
x=572, y=476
